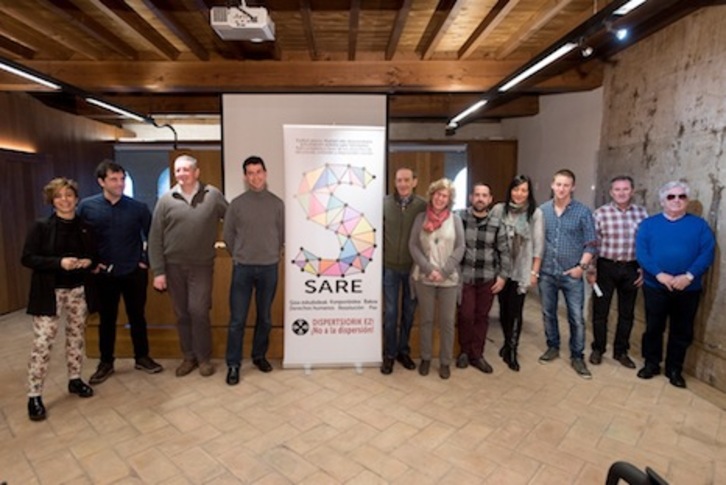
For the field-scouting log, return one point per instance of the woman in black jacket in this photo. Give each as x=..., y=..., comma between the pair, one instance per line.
x=60, y=251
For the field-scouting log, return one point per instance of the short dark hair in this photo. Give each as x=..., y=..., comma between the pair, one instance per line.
x=108, y=166
x=619, y=178
x=253, y=160
x=565, y=172
x=481, y=184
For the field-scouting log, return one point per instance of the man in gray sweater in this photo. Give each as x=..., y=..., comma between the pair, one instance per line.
x=254, y=228
x=181, y=250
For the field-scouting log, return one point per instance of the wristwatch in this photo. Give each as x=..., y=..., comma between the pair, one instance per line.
x=584, y=266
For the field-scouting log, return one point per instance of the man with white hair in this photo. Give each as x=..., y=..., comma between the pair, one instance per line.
x=181, y=250
x=674, y=249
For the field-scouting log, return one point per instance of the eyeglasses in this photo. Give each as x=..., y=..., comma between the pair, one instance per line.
x=674, y=196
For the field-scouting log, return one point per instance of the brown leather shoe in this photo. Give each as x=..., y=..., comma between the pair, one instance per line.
x=186, y=367
x=423, y=368
x=482, y=365
x=206, y=369
x=444, y=372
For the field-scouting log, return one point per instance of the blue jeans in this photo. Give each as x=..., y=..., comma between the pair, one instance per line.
x=574, y=292
x=396, y=284
x=245, y=278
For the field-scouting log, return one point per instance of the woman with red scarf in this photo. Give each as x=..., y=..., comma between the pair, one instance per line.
x=437, y=246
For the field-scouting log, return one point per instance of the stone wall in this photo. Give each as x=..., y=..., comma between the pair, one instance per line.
x=664, y=119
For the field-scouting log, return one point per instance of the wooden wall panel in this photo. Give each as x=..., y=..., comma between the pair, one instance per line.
x=494, y=163
x=57, y=144
x=429, y=166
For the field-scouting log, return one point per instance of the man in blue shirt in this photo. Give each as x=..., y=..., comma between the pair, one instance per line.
x=570, y=242
x=121, y=226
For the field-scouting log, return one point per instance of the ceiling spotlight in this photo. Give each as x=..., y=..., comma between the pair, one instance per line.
x=620, y=33
x=585, y=49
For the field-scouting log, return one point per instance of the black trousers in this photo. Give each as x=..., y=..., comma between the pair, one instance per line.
x=133, y=289
x=511, y=303
x=612, y=277
x=678, y=310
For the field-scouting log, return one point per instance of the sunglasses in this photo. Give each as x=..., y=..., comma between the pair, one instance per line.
x=676, y=196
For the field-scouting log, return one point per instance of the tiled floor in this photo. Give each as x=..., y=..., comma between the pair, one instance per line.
x=541, y=425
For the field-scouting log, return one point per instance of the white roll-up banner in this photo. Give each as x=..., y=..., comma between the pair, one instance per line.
x=334, y=187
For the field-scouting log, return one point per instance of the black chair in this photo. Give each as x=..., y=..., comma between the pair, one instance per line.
x=622, y=470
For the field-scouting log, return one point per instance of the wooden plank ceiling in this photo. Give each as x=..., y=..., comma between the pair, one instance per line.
x=434, y=56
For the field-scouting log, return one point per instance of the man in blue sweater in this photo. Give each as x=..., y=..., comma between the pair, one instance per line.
x=674, y=249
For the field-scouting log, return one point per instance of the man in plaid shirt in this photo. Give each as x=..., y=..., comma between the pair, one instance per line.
x=484, y=270
x=616, y=270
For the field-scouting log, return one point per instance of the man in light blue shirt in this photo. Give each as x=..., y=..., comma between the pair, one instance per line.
x=570, y=242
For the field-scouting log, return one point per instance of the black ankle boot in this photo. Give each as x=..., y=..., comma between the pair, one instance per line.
x=77, y=386
x=36, y=410
x=505, y=353
x=513, y=362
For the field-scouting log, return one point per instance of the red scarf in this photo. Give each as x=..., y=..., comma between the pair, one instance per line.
x=433, y=220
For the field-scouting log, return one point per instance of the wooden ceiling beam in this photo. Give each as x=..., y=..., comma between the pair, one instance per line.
x=492, y=20
x=163, y=104
x=162, y=10
x=33, y=39
x=272, y=76
x=353, y=23
x=127, y=15
x=80, y=20
x=444, y=21
x=546, y=13
x=445, y=106
x=398, y=25
x=49, y=32
x=438, y=106
x=15, y=48
x=307, y=21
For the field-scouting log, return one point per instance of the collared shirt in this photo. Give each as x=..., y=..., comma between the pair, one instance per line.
x=188, y=197
x=616, y=230
x=567, y=236
x=487, y=252
x=120, y=230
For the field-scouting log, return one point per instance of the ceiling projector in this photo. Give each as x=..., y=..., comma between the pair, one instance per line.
x=242, y=23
